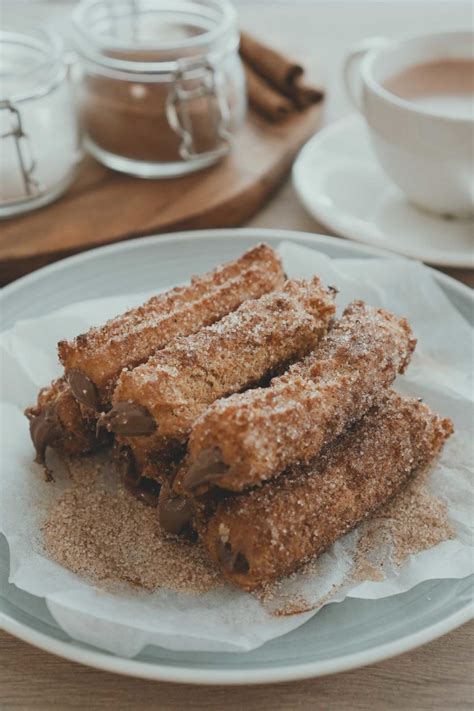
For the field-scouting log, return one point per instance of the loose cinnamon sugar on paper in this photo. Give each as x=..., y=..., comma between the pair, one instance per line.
x=107, y=536
x=103, y=534
x=413, y=522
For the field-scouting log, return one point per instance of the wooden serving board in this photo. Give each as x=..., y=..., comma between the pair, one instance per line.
x=104, y=207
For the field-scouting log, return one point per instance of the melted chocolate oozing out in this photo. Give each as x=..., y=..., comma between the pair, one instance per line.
x=175, y=514
x=45, y=428
x=148, y=491
x=143, y=488
x=209, y=465
x=233, y=562
x=127, y=468
x=130, y=419
x=83, y=388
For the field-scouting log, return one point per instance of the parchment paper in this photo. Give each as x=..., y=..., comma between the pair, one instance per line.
x=227, y=619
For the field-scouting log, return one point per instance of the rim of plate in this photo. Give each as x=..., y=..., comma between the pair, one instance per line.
x=351, y=228
x=260, y=233
x=204, y=676
x=72, y=651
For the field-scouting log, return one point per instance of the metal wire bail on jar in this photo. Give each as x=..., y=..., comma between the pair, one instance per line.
x=38, y=128
x=176, y=106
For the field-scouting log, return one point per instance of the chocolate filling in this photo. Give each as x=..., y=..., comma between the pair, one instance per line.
x=128, y=469
x=144, y=488
x=148, y=491
x=130, y=419
x=208, y=465
x=45, y=429
x=175, y=514
x=82, y=388
x=233, y=562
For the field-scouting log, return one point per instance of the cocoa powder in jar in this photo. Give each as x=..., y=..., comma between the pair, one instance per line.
x=128, y=118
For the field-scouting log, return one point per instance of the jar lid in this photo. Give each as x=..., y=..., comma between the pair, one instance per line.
x=31, y=63
x=150, y=37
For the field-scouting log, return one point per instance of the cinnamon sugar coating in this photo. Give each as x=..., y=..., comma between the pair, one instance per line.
x=129, y=339
x=261, y=535
x=259, y=433
x=247, y=346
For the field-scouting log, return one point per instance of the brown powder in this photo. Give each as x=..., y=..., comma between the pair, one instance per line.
x=413, y=521
x=129, y=118
x=99, y=531
x=102, y=533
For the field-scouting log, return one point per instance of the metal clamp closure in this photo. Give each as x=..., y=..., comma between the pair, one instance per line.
x=23, y=149
x=206, y=85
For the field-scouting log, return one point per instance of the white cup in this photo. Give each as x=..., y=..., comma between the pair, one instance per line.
x=428, y=155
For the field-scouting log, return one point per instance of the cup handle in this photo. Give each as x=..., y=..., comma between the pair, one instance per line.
x=353, y=57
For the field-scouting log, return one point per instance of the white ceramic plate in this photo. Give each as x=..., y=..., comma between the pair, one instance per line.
x=339, y=182
x=342, y=636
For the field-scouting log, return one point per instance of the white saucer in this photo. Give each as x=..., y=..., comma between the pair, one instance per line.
x=340, y=184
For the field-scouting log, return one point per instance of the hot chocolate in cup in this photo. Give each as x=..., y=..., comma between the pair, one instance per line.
x=417, y=97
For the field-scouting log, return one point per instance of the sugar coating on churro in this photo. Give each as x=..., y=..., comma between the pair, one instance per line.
x=247, y=438
x=156, y=403
x=270, y=531
x=99, y=355
x=56, y=420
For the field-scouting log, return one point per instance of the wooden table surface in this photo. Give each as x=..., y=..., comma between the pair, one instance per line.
x=437, y=676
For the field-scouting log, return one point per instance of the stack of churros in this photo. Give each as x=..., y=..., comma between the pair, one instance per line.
x=66, y=413
x=246, y=413
x=155, y=405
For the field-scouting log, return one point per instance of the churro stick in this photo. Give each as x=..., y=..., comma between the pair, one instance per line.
x=248, y=438
x=259, y=536
x=57, y=421
x=155, y=404
x=94, y=360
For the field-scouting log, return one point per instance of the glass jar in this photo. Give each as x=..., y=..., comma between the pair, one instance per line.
x=163, y=89
x=39, y=140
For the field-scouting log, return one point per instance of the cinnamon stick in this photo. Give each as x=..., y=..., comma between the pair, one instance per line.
x=274, y=82
x=279, y=71
x=264, y=99
x=304, y=95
